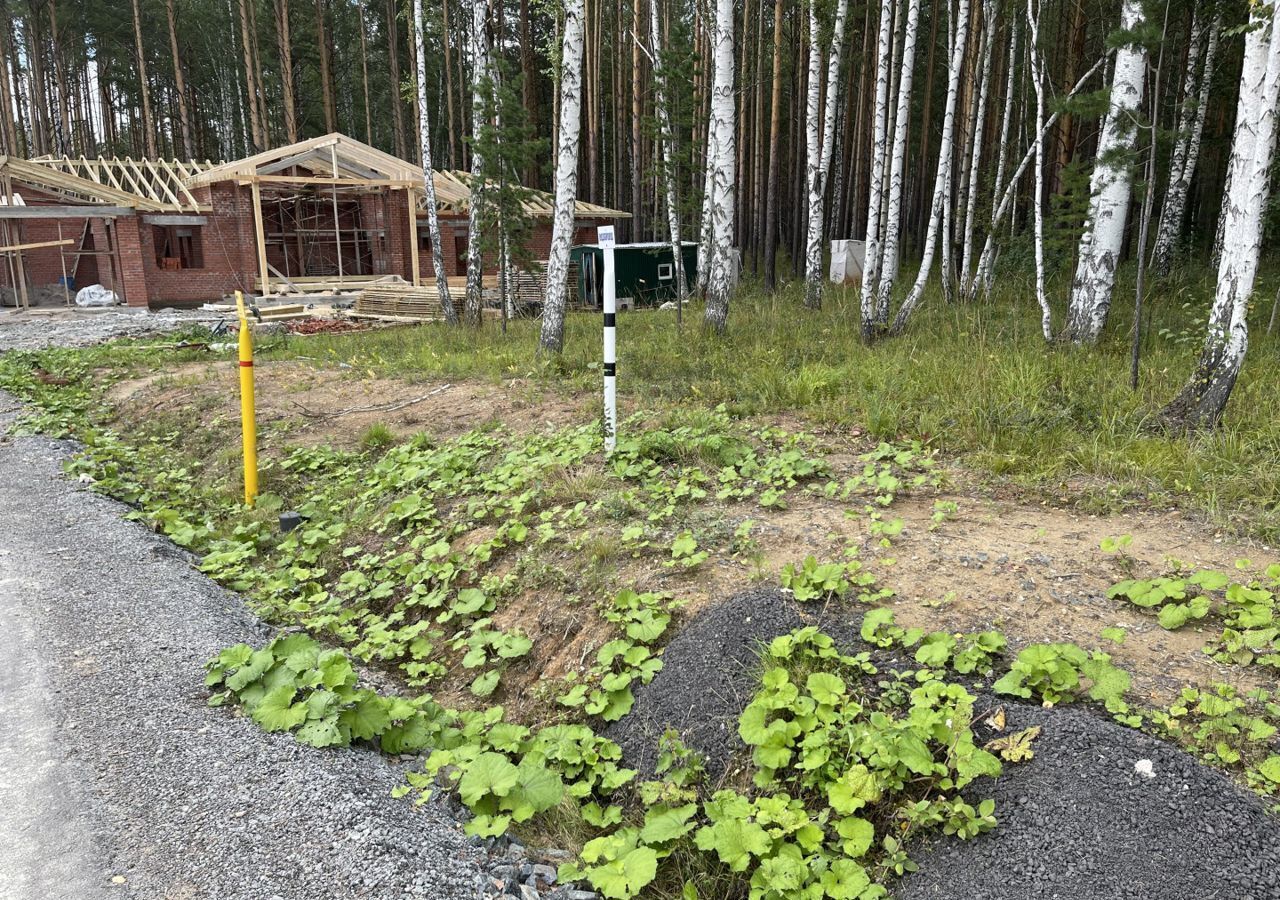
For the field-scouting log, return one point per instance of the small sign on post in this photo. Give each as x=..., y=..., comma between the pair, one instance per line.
x=604, y=237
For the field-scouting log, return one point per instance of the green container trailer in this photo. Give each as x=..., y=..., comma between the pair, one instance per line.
x=644, y=274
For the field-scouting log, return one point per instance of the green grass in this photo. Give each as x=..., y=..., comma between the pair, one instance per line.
x=976, y=381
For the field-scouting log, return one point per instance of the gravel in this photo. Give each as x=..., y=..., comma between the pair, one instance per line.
x=1081, y=822
x=115, y=777
x=38, y=329
x=1078, y=821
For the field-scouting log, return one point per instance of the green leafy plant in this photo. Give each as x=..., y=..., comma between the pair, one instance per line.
x=812, y=580
x=1061, y=673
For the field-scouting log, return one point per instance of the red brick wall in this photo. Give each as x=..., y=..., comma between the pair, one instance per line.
x=229, y=256
x=453, y=227
x=43, y=265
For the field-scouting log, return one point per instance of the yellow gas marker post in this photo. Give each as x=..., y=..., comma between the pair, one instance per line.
x=248, y=424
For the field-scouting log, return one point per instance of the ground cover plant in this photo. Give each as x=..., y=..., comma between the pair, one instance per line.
x=421, y=559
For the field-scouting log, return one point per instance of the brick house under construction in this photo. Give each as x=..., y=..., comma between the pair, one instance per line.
x=326, y=213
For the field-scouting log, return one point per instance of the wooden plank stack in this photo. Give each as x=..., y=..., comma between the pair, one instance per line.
x=399, y=303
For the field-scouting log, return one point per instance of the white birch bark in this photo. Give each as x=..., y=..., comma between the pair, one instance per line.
x=705, y=241
x=566, y=178
x=666, y=138
x=879, y=156
x=893, y=211
x=813, y=152
x=479, y=86
x=1186, y=152
x=942, y=183
x=428, y=173
x=722, y=125
x=1203, y=399
x=971, y=202
x=1110, y=190
x=1037, y=198
x=814, y=279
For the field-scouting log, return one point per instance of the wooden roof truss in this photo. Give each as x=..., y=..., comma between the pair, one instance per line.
x=161, y=183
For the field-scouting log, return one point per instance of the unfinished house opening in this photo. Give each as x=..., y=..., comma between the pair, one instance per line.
x=178, y=246
x=309, y=236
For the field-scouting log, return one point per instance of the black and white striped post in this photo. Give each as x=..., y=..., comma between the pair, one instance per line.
x=604, y=237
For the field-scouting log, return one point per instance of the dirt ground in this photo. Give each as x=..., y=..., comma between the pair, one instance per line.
x=311, y=405
x=1003, y=561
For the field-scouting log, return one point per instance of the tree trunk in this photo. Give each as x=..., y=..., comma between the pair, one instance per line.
x=148, y=123
x=1203, y=399
x=979, y=132
x=364, y=69
x=428, y=173
x=721, y=124
x=284, y=41
x=814, y=279
x=184, y=114
x=775, y=152
x=566, y=177
x=10, y=125
x=1037, y=198
x=1186, y=151
x=666, y=137
x=942, y=181
x=480, y=85
x=529, y=69
x=893, y=210
x=246, y=42
x=455, y=156
x=326, y=79
x=1110, y=189
x=879, y=159
x=65, y=138
x=393, y=66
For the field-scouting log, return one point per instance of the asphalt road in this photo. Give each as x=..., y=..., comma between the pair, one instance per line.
x=116, y=780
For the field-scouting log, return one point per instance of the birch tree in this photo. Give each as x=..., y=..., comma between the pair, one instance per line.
x=893, y=208
x=428, y=172
x=1110, y=189
x=820, y=152
x=480, y=85
x=666, y=137
x=989, y=8
x=722, y=126
x=942, y=182
x=552, y=337
x=1037, y=197
x=879, y=155
x=1203, y=399
x=1186, y=149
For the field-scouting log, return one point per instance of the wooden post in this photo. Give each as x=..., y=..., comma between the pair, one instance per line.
x=412, y=196
x=337, y=234
x=260, y=238
x=20, y=285
x=62, y=258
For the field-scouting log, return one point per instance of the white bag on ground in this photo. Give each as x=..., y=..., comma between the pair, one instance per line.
x=96, y=295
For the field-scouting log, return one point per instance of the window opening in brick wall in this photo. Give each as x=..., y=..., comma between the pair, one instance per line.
x=178, y=246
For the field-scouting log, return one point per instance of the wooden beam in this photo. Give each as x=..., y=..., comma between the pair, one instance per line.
x=412, y=197
x=9, y=248
x=64, y=212
x=175, y=220
x=260, y=239
x=324, y=179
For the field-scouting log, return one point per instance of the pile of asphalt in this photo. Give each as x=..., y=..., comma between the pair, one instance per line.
x=1077, y=821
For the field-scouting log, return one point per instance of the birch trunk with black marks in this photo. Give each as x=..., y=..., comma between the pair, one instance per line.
x=480, y=84
x=1037, y=198
x=428, y=172
x=1186, y=150
x=566, y=177
x=722, y=125
x=825, y=148
x=893, y=208
x=1110, y=190
x=1202, y=401
x=666, y=140
x=942, y=182
x=872, y=322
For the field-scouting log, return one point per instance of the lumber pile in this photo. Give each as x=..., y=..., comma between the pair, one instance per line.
x=399, y=303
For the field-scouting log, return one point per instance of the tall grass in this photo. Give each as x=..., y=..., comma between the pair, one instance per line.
x=977, y=381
